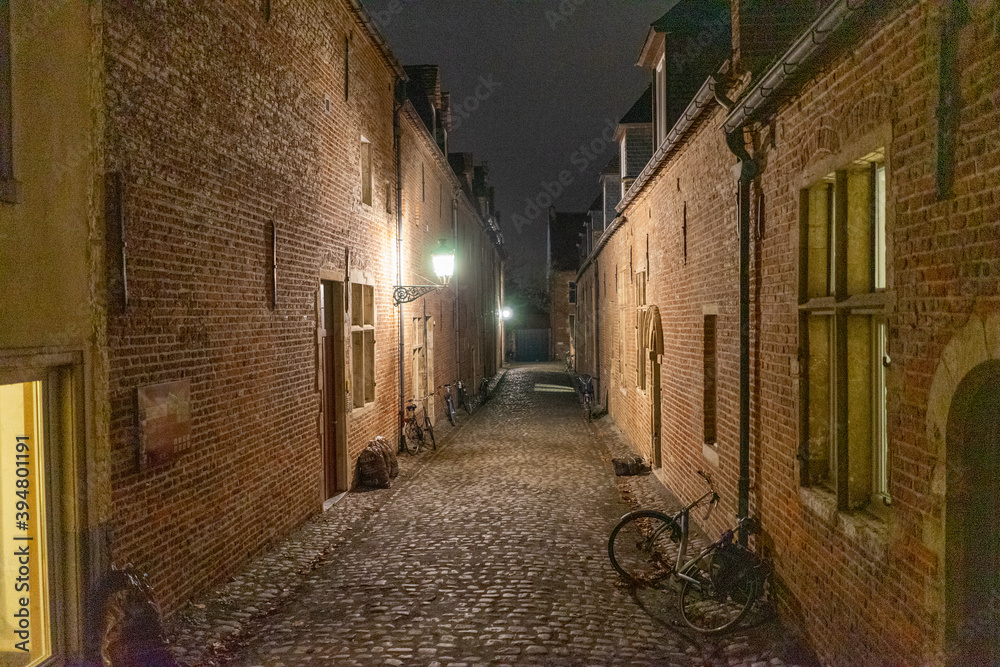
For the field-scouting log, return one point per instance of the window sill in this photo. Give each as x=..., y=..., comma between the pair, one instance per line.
x=362, y=409
x=710, y=450
x=866, y=528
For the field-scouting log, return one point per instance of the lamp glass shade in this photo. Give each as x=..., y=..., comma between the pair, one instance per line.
x=444, y=264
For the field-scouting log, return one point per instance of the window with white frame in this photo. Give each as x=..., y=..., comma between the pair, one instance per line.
x=363, y=343
x=419, y=357
x=842, y=333
x=661, y=101
x=710, y=392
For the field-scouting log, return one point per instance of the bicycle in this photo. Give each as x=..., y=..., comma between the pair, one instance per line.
x=449, y=405
x=587, y=394
x=719, y=585
x=484, y=390
x=463, y=398
x=414, y=430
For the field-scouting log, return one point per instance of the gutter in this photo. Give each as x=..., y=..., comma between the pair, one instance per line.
x=442, y=160
x=704, y=98
x=378, y=38
x=800, y=54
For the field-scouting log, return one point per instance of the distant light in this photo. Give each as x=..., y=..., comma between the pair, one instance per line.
x=506, y=313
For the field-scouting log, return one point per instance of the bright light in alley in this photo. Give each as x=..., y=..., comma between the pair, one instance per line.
x=554, y=389
x=506, y=313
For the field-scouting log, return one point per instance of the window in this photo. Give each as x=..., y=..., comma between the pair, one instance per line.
x=641, y=343
x=366, y=171
x=843, y=333
x=419, y=357
x=347, y=67
x=25, y=635
x=572, y=293
x=363, y=343
x=710, y=396
x=661, y=101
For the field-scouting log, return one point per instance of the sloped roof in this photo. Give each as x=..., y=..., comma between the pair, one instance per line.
x=641, y=111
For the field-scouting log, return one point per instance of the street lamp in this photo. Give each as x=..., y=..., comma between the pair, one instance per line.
x=506, y=313
x=443, y=261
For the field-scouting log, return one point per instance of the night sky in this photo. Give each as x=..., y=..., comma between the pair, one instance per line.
x=531, y=83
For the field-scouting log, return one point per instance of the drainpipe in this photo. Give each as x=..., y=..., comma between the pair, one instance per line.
x=397, y=138
x=748, y=171
x=455, y=280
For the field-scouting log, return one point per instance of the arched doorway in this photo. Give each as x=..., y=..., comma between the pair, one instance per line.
x=972, y=533
x=653, y=338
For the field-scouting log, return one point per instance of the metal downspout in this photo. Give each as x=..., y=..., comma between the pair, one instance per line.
x=455, y=325
x=748, y=171
x=397, y=138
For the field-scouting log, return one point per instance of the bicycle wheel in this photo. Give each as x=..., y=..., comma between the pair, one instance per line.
x=429, y=430
x=643, y=546
x=411, y=437
x=465, y=402
x=450, y=411
x=722, y=595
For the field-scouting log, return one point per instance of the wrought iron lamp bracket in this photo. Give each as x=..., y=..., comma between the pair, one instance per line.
x=406, y=293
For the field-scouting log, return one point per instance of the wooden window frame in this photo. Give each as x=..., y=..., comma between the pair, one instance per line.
x=362, y=353
x=857, y=476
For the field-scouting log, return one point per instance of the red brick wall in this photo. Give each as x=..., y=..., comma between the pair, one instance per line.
x=218, y=122
x=560, y=310
x=867, y=589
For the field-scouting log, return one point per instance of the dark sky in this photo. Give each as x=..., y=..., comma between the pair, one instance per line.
x=549, y=75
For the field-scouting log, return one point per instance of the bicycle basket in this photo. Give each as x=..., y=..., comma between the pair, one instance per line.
x=733, y=565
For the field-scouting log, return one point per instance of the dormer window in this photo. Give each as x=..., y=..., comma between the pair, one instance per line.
x=661, y=101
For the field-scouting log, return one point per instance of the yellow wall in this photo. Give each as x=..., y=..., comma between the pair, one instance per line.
x=51, y=270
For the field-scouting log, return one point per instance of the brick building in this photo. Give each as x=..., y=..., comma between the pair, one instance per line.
x=206, y=208
x=858, y=171
x=566, y=234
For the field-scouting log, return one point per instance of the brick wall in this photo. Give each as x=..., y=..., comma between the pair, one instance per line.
x=223, y=122
x=559, y=314
x=866, y=587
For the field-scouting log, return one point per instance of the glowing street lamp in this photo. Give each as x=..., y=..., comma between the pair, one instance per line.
x=506, y=313
x=443, y=261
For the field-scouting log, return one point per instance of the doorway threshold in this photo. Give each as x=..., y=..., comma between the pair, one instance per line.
x=333, y=501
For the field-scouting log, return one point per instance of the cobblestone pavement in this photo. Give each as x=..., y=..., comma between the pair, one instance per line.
x=491, y=551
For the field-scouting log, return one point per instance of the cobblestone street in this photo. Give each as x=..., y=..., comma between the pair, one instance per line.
x=490, y=551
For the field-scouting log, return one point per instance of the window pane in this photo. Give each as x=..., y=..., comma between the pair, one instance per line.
x=880, y=258
x=358, y=368
x=369, y=296
x=819, y=241
x=859, y=231
x=880, y=437
x=822, y=464
x=357, y=304
x=24, y=581
x=859, y=409
x=369, y=365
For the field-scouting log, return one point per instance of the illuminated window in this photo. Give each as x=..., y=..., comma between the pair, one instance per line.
x=25, y=636
x=843, y=333
x=363, y=343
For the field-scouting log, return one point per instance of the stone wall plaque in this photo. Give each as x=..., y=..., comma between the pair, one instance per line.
x=164, y=421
